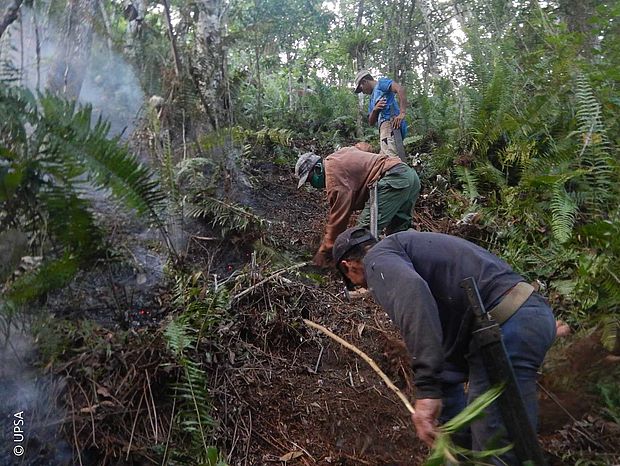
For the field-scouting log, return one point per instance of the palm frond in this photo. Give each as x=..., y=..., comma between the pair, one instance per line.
x=72, y=135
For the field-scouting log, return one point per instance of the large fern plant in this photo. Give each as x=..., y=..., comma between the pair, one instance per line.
x=51, y=153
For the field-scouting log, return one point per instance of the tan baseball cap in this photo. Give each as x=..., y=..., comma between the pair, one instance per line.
x=303, y=167
x=361, y=74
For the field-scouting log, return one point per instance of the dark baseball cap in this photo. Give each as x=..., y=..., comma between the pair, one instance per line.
x=346, y=241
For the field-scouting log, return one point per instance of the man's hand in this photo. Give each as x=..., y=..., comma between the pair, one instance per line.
x=323, y=259
x=380, y=105
x=398, y=120
x=427, y=411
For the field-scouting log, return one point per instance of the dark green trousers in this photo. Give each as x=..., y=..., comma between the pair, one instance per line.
x=397, y=193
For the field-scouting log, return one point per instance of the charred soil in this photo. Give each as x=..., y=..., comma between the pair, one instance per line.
x=281, y=392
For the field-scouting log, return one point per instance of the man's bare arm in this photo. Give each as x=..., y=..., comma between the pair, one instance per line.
x=374, y=115
x=401, y=96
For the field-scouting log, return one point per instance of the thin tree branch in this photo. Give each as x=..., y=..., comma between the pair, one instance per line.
x=366, y=358
x=270, y=277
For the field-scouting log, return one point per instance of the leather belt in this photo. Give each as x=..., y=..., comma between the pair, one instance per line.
x=511, y=302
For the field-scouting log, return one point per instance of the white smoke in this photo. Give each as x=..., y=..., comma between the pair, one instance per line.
x=110, y=84
x=32, y=397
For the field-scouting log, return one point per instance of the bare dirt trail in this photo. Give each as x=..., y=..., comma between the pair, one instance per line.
x=301, y=398
x=282, y=393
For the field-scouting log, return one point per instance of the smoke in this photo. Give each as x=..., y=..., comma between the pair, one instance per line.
x=110, y=84
x=30, y=417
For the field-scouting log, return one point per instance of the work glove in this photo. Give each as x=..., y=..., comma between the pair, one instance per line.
x=427, y=412
x=323, y=259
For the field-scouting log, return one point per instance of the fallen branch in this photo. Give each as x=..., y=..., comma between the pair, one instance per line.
x=366, y=358
x=270, y=277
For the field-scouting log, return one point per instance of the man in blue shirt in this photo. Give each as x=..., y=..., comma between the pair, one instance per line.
x=386, y=109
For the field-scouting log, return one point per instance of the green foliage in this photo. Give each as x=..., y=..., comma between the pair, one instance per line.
x=446, y=452
x=469, y=181
x=53, y=274
x=563, y=210
x=51, y=151
x=608, y=390
x=202, y=311
x=227, y=217
x=531, y=146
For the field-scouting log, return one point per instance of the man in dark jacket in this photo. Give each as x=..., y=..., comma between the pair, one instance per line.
x=347, y=176
x=416, y=278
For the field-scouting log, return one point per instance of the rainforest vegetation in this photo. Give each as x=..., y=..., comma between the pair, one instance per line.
x=153, y=242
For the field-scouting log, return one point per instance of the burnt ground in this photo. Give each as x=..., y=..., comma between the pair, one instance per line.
x=298, y=397
x=282, y=393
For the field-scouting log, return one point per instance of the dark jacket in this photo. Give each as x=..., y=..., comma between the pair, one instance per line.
x=348, y=174
x=415, y=277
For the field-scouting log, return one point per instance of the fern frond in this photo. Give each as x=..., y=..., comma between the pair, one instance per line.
x=469, y=181
x=178, y=337
x=73, y=137
x=563, y=210
x=518, y=153
x=595, y=151
x=226, y=216
x=610, y=332
x=192, y=167
x=52, y=275
x=194, y=414
x=487, y=172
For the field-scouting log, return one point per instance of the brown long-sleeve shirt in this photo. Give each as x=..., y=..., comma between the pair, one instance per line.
x=348, y=174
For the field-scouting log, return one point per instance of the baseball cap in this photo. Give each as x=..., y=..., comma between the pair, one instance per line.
x=346, y=241
x=361, y=74
x=303, y=167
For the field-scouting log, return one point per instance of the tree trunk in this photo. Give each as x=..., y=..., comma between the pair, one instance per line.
x=432, y=49
x=360, y=63
x=134, y=13
x=173, y=39
x=577, y=14
x=259, y=85
x=210, y=64
x=106, y=25
x=10, y=15
x=73, y=55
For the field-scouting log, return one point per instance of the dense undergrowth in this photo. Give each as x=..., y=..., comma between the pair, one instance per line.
x=524, y=137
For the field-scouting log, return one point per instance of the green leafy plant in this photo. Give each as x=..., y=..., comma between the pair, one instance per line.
x=226, y=216
x=446, y=452
x=202, y=311
x=51, y=152
x=608, y=390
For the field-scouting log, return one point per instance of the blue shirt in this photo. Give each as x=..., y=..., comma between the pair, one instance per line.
x=382, y=89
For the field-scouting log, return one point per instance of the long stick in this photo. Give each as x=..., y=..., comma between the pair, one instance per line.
x=366, y=358
x=270, y=277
